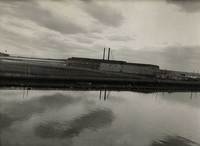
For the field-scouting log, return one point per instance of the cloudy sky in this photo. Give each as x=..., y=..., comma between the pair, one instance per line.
x=163, y=32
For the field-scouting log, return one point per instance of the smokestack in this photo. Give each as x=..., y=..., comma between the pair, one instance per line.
x=104, y=50
x=108, y=53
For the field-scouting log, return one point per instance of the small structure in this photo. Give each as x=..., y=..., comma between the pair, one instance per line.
x=4, y=54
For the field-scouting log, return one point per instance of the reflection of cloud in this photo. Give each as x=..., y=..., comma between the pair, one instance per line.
x=174, y=141
x=93, y=120
x=28, y=108
x=190, y=99
x=5, y=121
x=21, y=111
x=187, y=5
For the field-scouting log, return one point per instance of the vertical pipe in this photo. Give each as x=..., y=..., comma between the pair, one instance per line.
x=104, y=50
x=108, y=95
x=108, y=53
x=105, y=94
x=100, y=95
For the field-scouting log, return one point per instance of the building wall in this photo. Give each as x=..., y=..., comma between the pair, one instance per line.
x=82, y=64
x=146, y=70
x=114, y=66
x=110, y=67
x=132, y=69
x=177, y=75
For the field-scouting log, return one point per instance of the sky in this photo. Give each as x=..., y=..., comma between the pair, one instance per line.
x=163, y=32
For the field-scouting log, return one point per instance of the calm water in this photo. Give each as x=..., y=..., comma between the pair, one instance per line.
x=60, y=118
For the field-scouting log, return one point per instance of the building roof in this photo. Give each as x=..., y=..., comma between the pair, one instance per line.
x=95, y=60
x=109, y=61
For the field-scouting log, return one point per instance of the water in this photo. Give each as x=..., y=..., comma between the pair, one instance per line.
x=58, y=118
x=165, y=33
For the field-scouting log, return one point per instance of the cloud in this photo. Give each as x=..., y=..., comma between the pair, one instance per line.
x=183, y=58
x=174, y=141
x=189, y=6
x=32, y=40
x=84, y=39
x=14, y=0
x=24, y=0
x=31, y=30
x=104, y=14
x=44, y=17
x=47, y=19
x=120, y=38
x=177, y=57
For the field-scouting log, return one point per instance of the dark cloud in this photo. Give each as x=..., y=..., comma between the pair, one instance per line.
x=174, y=141
x=104, y=14
x=187, y=5
x=92, y=120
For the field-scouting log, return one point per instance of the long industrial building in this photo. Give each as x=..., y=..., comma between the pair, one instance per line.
x=85, y=73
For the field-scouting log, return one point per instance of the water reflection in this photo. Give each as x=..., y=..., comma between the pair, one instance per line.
x=174, y=141
x=24, y=110
x=183, y=98
x=5, y=121
x=93, y=120
x=82, y=119
x=49, y=116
